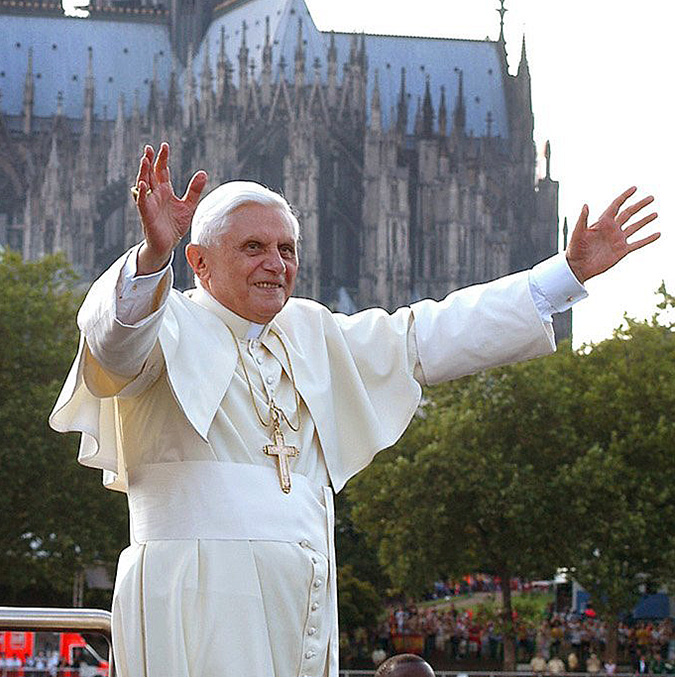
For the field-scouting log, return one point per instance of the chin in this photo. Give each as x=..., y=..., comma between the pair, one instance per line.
x=263, y=316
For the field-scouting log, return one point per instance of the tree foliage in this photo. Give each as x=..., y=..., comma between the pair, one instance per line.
x=564, y=461
x=622, y=486
x=358, y=602
x=56, y=517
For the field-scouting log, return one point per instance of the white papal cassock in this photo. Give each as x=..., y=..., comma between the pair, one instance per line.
x=227, y=576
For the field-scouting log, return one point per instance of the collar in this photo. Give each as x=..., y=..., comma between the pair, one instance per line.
x=243, y=329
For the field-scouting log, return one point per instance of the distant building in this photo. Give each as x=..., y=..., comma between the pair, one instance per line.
x=411, y=160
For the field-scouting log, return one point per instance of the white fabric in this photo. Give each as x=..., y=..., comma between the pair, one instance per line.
x=225, y=501
x=135, y=292
x=170, y=389
x=192, y=518
x=554, y=287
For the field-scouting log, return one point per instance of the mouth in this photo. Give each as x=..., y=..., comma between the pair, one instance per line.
x=268, y=285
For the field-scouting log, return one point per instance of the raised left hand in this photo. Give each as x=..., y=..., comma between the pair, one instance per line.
x=596, y=248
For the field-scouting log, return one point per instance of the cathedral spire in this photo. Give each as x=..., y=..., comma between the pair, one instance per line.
x=172, y=102
x=89, y=95
x=402, y=112
x=442, y=114
x=266, y=72
x=427, y=113
x=523, y=66
x=243, y=66
x=206, y=82
x=418, y=127
x=189, y=91
x=332, y=49
x=459, y=114
x=502, y=11
x=155, y=108
x=363, y=59
x=28, y=95
x=547, y=155
x=565, y=233
x=267, y=49
x=299, y=59
x=136, y=111
x=331, y=74
x=116, y=166
x=221, y=72
x=376, y=105
x=53, y=162
x=354, y=49
x=49, y=195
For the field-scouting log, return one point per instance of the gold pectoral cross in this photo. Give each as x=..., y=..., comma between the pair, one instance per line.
x=282, y=451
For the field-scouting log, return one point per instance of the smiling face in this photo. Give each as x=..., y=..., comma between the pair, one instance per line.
x=252, y=268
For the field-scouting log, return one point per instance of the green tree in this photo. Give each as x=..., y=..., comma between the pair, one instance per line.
x=561, y=461
x=623, y=487
x=358, y=602
x=56, y=517
x=475, y=484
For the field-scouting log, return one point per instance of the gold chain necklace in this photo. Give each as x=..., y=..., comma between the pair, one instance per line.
x=278, y=448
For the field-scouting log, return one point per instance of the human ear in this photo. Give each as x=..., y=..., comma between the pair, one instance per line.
x=195, y=255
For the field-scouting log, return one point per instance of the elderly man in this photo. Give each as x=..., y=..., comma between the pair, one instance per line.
x=231, y=413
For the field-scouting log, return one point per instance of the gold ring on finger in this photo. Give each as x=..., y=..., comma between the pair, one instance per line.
x=134, y=192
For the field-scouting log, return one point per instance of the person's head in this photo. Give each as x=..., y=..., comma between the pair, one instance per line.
x=404, y=665
x=244, y=249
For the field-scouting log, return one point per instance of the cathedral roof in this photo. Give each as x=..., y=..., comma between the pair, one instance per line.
x=437, y=59
x=123, y=53
x=122, y=62
x=283, y=26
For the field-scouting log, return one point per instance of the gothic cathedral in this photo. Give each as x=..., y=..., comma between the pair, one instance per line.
x=410, y=160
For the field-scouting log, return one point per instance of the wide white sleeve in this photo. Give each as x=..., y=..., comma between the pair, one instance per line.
x=507, y=320
x=136, y=293
x=114, y=360
x=118, y=349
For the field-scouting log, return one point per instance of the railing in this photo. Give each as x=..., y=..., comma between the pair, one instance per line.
x=493, y=673
x=25, y=671
x=58, y=620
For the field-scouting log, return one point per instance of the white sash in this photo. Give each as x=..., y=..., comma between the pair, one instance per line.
x=227, y=501
x=234, y=501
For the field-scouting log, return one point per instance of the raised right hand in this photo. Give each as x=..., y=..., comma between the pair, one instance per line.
x=165, y=218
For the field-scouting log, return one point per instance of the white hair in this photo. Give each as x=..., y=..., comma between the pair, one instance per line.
x=210, y=219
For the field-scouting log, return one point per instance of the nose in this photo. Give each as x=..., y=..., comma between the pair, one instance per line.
x=274, y=262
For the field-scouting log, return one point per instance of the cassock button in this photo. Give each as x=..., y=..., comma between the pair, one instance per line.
x=569, y=299
x=304, y=544
x=310, y=654
x=317, y=583
x=311, y=631
x=258, y=360
x=315, y=606
x=269, y=380
x=315, y=559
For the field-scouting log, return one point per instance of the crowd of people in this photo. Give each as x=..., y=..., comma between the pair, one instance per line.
x=42, y=664
x=551, y=644
x=575, y=640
